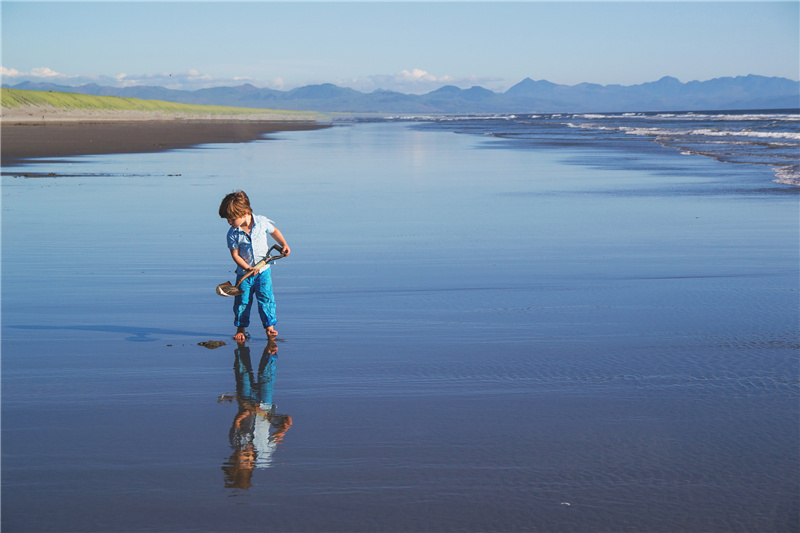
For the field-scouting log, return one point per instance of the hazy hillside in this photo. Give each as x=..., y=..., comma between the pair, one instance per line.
x=666, y=94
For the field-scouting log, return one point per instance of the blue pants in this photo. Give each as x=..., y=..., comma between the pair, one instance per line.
x=260, y=288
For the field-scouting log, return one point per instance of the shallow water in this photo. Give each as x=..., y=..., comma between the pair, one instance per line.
x=470, y=339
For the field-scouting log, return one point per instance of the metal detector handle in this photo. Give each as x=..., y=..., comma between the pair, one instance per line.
x=255, y=269
x=271, y=258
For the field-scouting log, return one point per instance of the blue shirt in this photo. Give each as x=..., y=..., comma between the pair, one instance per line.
x=253, y=247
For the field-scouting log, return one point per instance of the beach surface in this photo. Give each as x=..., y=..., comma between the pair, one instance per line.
x=474, y=336
x=81, y=133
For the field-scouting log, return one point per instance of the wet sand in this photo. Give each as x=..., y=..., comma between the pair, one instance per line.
x=473, y=338
x=26, y=140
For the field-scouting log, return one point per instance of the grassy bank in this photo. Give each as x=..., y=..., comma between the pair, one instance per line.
x=15, y=99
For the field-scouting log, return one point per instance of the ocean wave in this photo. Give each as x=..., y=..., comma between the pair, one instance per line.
x=787, y=175
x=726, y=145
x=746, y=133
x=591, y=127
x=758, y=138
x=459, y=118
x=732, y=118
x=447, y=118
x=707, y=132
x=696, y=117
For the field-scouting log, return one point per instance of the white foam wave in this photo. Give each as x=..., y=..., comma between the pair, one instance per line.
x=449, y=118
x=591, y=127
x=657, y=132
x=788, y=175
x=458, y=118
x=781, y=117
x=733, y=118
x=598, y=116
x=745, y=133
x=694, y=116
x=707, y=132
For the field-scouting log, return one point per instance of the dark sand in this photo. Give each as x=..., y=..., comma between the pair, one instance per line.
x=23, y=140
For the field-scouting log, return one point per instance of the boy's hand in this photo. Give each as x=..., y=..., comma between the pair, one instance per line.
x=286, y=251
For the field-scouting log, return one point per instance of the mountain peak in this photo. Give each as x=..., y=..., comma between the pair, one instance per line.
x=447, y=89
x=529, y=87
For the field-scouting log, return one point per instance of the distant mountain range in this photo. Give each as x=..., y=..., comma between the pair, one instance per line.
x=528, y=96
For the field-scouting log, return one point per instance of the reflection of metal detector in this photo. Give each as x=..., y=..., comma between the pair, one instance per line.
x=226, y=289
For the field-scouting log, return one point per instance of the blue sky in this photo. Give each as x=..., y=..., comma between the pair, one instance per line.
x=412, y=47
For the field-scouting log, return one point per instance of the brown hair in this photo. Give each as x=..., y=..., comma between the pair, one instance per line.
x=234, y=205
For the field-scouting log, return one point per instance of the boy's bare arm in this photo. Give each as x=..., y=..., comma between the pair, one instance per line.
x=278, y=236
x=239, y=261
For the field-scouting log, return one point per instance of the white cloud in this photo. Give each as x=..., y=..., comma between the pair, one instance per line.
x=44, y=72
x=415, y=81
x=191, y=79
x=414, y=75
x=36, y=74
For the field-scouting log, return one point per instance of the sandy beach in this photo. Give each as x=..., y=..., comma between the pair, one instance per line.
x=60, y=135
x=475, y=335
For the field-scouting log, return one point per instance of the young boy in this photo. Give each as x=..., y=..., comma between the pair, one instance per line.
x=247, y=242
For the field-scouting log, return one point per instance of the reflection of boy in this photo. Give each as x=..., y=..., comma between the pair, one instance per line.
x=247, y=242
x=250, y=432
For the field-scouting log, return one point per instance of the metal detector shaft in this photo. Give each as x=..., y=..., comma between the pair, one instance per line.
x=226, y=289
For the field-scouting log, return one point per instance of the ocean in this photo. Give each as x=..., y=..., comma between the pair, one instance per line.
x=764, y=138
x=507, y=323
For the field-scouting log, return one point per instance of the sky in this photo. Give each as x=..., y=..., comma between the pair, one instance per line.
x=411, y=47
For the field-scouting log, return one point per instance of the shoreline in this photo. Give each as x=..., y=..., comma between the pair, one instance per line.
x=23, y=138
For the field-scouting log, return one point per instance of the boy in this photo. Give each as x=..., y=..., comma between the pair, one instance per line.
x=247, y=242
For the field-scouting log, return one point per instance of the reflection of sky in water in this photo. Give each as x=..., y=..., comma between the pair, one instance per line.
x=469, y=337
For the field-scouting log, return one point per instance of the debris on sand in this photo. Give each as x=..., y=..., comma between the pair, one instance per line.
x=212, y=344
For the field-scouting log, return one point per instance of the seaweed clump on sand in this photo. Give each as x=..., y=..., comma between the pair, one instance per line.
x=212, y=344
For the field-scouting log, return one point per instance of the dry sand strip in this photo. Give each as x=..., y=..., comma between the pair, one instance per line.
x=48, y=138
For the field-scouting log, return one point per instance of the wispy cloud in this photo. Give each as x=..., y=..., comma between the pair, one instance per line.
x=187, y=80
x=412, y=81
x=190, y=79
x=416, y=81
x=41, y=73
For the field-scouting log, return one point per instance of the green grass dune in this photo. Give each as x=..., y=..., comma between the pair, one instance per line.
x=11, y=99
